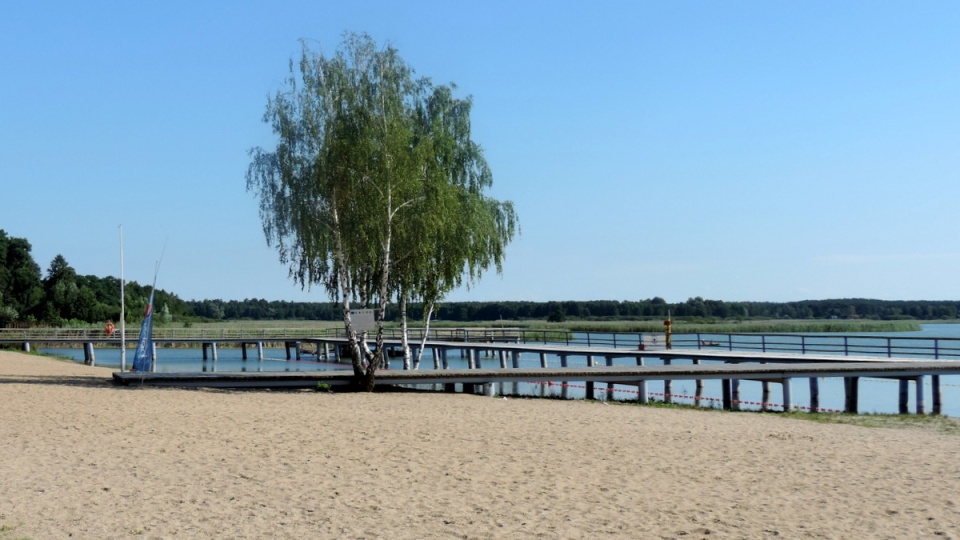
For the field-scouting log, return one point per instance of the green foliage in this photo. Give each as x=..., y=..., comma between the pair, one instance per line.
x=63, y=296
x=375, y=189
x=21, y=292
x=556, y=316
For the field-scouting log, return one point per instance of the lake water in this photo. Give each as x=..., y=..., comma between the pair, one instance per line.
x=876, y=395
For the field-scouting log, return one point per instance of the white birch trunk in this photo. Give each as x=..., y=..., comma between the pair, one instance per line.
x=404, y=329
x=423, y=342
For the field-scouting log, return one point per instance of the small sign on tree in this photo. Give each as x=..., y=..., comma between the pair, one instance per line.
x=363, y=320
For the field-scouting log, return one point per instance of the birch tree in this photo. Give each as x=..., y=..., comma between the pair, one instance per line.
x=466, y=231
x=357, y=176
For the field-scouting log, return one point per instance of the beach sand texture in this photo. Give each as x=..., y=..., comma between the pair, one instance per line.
x=80, y=458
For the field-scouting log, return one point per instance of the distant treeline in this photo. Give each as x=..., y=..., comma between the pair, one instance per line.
x=655, y=308
x=61, y=296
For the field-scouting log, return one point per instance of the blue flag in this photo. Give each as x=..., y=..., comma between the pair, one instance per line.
x=144, y=354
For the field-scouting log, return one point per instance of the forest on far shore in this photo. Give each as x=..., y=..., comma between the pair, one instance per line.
x=62, y=297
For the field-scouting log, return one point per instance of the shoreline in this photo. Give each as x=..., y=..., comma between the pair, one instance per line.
x=86, y=458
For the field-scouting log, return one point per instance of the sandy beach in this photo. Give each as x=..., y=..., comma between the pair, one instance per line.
x=82, y=458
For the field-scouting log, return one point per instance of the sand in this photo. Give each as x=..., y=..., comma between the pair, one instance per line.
x=81, y=458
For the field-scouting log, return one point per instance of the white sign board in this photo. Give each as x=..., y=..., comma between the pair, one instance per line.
x=363, y=320
x=654, y=341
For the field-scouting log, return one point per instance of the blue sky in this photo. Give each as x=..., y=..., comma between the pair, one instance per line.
x=732, y=150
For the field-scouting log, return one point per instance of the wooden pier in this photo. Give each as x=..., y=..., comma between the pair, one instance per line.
x=495, y=359
x=777, y=368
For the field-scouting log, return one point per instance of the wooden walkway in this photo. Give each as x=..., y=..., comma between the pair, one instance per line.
x=781, y=368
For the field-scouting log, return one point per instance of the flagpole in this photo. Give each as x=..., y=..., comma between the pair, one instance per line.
x=123, y=317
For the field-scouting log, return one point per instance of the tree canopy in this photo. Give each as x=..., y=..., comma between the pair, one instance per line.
x=375, y=190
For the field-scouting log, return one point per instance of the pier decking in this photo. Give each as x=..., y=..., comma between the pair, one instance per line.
x=779, y=368
x=495, y=359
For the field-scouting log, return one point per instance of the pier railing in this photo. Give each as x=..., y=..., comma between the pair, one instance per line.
x=76, y=334
x=845, y=345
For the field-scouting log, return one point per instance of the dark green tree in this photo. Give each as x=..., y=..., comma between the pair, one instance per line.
x=21, y=290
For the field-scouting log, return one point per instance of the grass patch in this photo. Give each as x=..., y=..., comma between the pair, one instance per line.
x=681, y=326
x=6, y=530
x=733, y=327
x=938, y=424
x=944, y=425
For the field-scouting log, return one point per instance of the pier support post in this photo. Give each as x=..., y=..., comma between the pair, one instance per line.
x=503, y=359
x=787, y=396
x=814, y=394
x=851, y=387
x=735, y=394
x=667, y=386
x=26, y=346
x=642, y=396
x=295, y=345
x=937, y=395
x=89, y=358
x=213, y=350
x=590, y=384
x=764, y=393
x=515, y=359
x=726, y=397
x=471, y=361
x=153, y=357
x=243, y=350
x=260, y=351
x=443, y=358
x=543, y=360
x=698, y=385
x=904, y=396
x=608, y=361
x=921, y=406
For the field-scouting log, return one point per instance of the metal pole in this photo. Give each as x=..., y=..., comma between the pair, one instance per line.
x=123, y=318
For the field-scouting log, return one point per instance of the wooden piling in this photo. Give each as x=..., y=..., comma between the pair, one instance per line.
x=904, y=396
x=667, y=385
x=608, y=361
x=89, y=358
x=590, y=384
x=735, y=394
x=814, y=394
x=787, y=395
x=937, y=395
x=921, y=406
x=642, y=396
x=851, y=390
x=698, y=388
